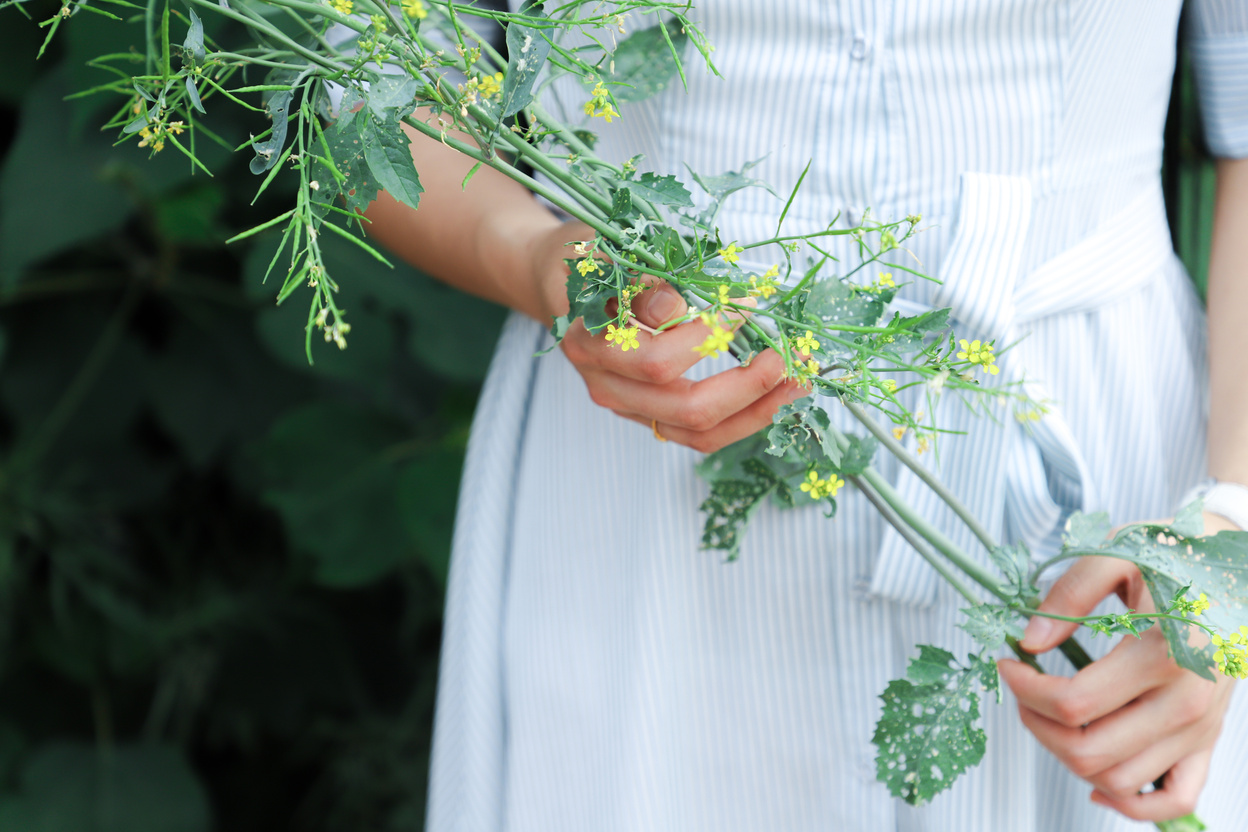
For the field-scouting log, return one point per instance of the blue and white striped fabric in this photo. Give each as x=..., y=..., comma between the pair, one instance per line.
x=602, y=673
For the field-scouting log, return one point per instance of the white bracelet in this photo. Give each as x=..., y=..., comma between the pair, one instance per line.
x=1228, y=499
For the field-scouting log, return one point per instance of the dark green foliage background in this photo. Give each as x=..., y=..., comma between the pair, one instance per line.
x=222, y=570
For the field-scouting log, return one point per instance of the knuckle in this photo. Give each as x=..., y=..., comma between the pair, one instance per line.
x=603, y=397
x=696, y=416
x=1084, y=764
x=656, y=370
x=704, y=443
x=1072, y=710
x=1119, y=784
x=1185, y=804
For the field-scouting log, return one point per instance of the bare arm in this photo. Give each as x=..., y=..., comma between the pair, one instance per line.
x=1228, y=325
x=483, y=238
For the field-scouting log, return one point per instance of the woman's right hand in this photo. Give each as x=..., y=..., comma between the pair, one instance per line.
x=647, y=385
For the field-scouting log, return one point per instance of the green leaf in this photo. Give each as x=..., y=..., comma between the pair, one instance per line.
x=804, y=427
x=643, y=64
x=587, y=299
x=660, y=190
x=125, y=788
x=721, y=187
x=928, y=734
x=270, y=150
x=193, y=46
x=731, y=504
x=1189, y=521
x=527, y=51
x=856, y=458
x=391, y=97
x=1086, y=531
x=1014, y=562
x=621, y=204
x=835, y=302
x=389, y=157
x=989, y=624
x=329, y=471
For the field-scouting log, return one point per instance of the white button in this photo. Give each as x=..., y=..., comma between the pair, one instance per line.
x=860, y=49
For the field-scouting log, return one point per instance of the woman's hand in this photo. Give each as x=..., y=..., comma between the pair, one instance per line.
x=647, y=385
x=1129, y=718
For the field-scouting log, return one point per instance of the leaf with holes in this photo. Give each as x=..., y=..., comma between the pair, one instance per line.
x=928, y=734
x=989, y=624
x=643, y=63
x=527, y=51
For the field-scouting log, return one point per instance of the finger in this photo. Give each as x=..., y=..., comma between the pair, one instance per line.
x=658, y=359
x=1076, y=593
x=1129, y=777
x=745, y=422
x=696, y=405
x=659, y=305
x=1176, y=798
x=1132, y=668
x=1134, y=744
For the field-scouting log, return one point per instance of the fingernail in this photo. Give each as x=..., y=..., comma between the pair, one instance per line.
x=1037, y=632
x=662, y=306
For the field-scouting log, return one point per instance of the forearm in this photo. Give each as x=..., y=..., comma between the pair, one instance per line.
x=1228, y=335
x=481, y=238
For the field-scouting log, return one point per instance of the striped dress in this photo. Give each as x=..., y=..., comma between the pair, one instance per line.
x=600, y=672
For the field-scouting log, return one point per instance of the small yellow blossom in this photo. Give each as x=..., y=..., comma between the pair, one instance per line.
x=589, y=264
x=342, y=6
x=885, y=281
x=819, y=488
x=888, y=385
x=724, y=289
x=1186, y=607
x=415, y=8
x=599, y=104
x=488, y=86
x=806, y=343
x=764, y=289
x=980, y=354
x=924, y=443
x=812, y=367
x=732, y=253
x=1232, y=654
x=715, y=343
x=625, y=337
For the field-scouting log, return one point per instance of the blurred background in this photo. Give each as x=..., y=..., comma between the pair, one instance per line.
x=222, y=569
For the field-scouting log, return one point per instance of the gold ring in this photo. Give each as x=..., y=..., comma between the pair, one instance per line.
x=654, y=426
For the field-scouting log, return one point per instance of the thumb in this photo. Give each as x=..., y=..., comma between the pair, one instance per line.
x=1076, y=593
x=658, y=305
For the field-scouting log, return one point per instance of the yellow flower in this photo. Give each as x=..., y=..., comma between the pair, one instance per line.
x=625, y=337
x=342, y=6
x=819, y=488
x=599, y=104
x=924, y=442
x=415, y=8
x=715, y=343
x=812, y=367
x=489, y=85
x=724, y=290
x=898, y=433
x=806, y=343
x=765, y=289
x=732, y=253
x=980, y=354
x=888, y=385
x=885, y=281
x=589, y=264
x=1231, y=655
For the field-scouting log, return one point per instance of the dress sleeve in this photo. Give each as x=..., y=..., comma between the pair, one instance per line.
x=1218, y=31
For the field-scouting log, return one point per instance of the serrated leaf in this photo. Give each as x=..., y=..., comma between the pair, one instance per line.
x=834, y=301
x=989, y=625
x=803, y=425
x=731, y=504
x=1014, y=562
x=587, y=299
x=391, y=97
x=721, y=187
x=927, y=735
x=389, y=158
x=527, y=51
x=1086, y=531
x=660, y=190
x=643, y=64
x=856, y=457
x=346, y=138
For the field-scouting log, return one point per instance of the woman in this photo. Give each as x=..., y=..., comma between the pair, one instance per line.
x=600, y=672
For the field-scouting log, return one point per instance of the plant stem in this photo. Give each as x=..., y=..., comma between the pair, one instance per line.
x=910, y=461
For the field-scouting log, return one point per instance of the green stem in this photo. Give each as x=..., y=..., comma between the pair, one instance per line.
x=910, y=461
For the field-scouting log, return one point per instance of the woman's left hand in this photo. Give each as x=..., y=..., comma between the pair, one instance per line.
x=1134, y=715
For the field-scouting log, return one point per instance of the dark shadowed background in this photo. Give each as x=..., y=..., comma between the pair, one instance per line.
x=222, y=569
